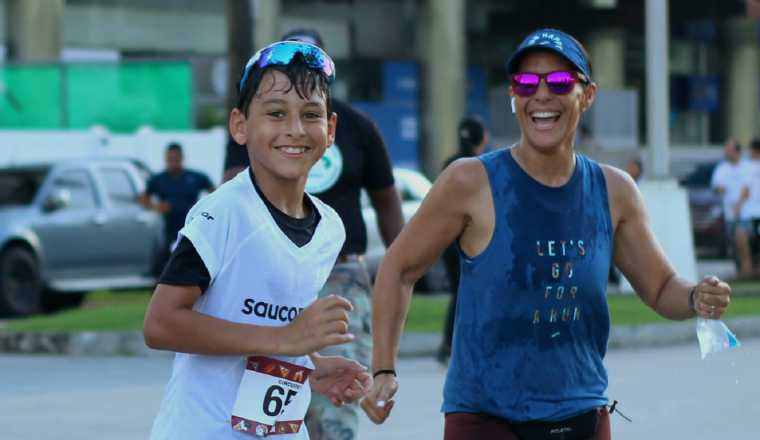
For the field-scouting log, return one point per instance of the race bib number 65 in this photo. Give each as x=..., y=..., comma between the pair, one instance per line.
x=272, y=398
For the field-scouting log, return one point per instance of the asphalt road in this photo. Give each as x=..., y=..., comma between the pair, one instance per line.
x=669, y=393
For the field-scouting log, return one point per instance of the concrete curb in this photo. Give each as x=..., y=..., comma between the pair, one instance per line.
x=621, y=337
x=77, y=344
x=675, y=333
x=411, y=345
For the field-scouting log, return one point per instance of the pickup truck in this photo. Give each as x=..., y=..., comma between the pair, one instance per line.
x=70, y=227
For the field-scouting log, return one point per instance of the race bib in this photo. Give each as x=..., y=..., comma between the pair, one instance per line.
x=272, y=398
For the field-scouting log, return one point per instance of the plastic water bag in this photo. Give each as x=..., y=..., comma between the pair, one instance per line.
x=714, y=336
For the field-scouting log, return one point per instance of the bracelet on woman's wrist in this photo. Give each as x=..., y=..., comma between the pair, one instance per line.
x=386, y=371
x=692, y=305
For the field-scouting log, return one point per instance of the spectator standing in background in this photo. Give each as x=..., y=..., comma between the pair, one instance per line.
x=473, y=139
x=173, y=192
x=746, y=211
x=357, y=160
x=728, y=179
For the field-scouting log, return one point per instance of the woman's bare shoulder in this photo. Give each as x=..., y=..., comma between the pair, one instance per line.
x=467, y=174
x=619, y=182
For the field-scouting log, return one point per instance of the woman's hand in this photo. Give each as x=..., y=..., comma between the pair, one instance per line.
x=378, y=402
x=711, y=297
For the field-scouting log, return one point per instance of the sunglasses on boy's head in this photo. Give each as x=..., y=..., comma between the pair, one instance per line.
x=560, y=82
x=283, y=52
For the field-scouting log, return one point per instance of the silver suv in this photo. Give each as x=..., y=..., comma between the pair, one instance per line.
x=70, y=227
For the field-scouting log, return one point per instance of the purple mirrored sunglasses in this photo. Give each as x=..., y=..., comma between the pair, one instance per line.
x=560, y=82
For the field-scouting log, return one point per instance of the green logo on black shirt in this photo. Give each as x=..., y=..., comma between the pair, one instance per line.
x=326, y=171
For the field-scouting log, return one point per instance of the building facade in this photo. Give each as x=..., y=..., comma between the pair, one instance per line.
x=418, y=65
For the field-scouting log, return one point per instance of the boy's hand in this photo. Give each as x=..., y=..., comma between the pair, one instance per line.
x=339, y=379
x=323, y=323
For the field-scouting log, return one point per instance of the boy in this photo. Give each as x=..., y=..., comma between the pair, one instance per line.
x=236, y=299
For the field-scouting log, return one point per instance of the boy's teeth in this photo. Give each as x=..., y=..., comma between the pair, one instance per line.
x=293, y=150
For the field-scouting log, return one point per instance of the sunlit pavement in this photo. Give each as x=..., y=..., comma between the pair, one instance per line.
x=669, y=393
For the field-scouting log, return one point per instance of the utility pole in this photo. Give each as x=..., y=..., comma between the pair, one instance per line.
x=34, y=29
x=239, y=49
x=239, y=44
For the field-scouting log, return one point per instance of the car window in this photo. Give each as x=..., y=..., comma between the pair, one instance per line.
x=79, y=186
x=19, y=186
x=118, y=185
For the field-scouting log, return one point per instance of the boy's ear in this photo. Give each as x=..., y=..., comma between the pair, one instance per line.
x=332, y=123
x=238, y=127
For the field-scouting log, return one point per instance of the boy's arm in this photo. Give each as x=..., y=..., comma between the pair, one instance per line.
x=172, y=324
x=339, y=379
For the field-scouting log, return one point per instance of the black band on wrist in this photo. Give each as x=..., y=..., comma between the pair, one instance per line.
x=387, y=371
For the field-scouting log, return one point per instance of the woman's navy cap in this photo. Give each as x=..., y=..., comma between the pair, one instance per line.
x=556, y=41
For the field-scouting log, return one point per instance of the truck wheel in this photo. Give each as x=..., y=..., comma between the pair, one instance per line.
x=20, y=284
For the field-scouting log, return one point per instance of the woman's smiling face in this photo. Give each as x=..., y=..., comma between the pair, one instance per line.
x=548, y=120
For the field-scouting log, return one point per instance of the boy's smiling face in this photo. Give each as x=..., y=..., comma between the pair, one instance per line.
x=284, y=133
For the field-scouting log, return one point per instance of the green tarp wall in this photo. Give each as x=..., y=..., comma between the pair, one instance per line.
x=121, y=97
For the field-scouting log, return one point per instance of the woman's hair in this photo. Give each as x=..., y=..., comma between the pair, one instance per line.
x=304, y=79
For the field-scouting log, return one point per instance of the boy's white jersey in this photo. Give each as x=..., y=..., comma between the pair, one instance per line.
x=258, y=276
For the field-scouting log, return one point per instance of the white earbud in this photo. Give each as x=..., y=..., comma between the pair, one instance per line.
x=512, y=102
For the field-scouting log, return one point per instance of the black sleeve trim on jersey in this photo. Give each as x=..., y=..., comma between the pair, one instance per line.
x=185, y=267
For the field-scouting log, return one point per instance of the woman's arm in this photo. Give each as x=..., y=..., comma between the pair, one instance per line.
x=445, y=214
x=641, y=259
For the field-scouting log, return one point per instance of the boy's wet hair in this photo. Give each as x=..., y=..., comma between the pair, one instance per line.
x=304, y=79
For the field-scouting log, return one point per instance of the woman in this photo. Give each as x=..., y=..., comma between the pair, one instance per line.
x=537, y=224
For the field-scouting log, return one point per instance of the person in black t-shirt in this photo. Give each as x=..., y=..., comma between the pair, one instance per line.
x=357, y=160
x=176, y=190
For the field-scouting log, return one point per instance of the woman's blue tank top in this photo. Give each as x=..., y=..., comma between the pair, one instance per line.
x=532, y=322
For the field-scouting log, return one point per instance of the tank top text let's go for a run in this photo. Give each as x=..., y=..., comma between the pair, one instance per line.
x=532, y=321
x=258, y=276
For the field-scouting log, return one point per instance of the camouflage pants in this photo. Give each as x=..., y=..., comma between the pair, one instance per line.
x=351, y=281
